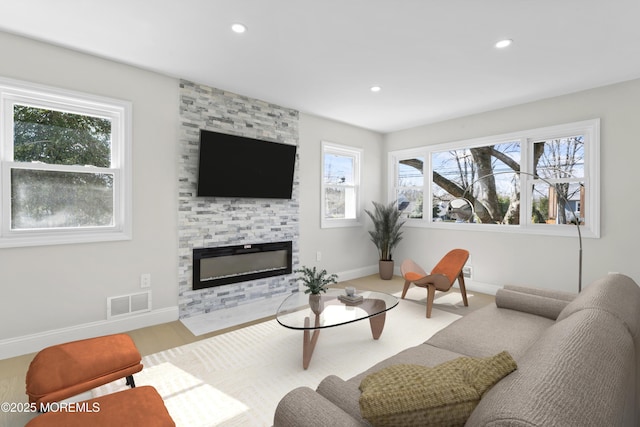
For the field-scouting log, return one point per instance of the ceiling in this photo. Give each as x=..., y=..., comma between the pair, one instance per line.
x=434, y=59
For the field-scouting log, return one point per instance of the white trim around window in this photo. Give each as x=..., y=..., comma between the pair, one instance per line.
x=422, y=195
x=340, y=185
x=117, y=112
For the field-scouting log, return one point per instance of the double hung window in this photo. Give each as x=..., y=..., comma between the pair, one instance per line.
x=340, y=185
x=65, y=160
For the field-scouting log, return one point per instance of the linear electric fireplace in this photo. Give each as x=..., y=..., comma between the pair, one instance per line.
x=232, y=264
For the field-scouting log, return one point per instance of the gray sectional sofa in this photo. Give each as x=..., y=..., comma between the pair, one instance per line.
x=577, y=358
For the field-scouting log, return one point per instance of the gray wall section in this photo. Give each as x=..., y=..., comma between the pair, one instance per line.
x=224, y=221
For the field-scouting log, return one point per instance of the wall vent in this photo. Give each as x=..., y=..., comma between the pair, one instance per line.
x=125, y=305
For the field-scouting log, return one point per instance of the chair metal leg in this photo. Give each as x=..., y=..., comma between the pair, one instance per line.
x=130, y=382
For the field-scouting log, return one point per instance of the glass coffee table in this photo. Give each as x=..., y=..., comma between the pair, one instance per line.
x=331, y=310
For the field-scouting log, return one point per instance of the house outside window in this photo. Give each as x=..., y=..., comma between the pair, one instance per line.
x=340, y=193
x=65, y=160
x=542, y=181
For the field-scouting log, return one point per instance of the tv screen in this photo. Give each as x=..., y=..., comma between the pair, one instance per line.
x=237, y=166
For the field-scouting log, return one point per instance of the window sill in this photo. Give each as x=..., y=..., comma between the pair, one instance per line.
x=537, y=229
x=48, y=239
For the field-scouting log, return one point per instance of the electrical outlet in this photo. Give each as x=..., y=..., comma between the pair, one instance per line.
x=145, y=280
x=318, y=256
x=467, y=271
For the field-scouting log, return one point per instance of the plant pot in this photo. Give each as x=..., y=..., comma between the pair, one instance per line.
x=315, y=302
x=386, y=269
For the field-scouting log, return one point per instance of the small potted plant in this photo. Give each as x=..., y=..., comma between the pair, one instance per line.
x=385, y=235
x=316, y=282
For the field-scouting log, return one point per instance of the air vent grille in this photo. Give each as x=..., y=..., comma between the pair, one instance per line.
x=125, y=305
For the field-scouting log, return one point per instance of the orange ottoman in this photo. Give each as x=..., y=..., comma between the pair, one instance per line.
x=65, y=370
x=136, y=407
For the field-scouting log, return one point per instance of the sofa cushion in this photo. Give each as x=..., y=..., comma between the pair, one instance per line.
x=418, y=395
x=579, y=373
x=490, y=330
x=422, y=354
x=615, y=293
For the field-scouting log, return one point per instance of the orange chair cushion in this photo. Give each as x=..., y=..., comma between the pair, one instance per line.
x=135, y=407
x=412, y=277
x=65, y=370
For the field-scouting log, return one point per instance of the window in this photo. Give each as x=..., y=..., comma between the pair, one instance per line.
x=65, y=160
x=340, y=185
x=542, y=181
x=410, y=185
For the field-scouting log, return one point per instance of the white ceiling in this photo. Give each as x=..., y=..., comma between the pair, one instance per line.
x=435, y=59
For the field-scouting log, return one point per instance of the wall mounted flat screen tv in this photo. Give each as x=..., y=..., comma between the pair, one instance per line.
x=237, y=166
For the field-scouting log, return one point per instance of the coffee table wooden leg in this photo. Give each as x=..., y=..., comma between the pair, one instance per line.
x=377, y=325
x=377, y=322
x=309, y=342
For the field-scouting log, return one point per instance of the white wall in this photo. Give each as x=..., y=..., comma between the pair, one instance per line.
x=500, y=258
x=57, y=292
x=345, y=250
x=49, y=292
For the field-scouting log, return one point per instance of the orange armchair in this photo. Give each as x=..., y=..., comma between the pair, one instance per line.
x=442, y=277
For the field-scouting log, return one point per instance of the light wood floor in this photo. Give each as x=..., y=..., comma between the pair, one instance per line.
x=173, y=334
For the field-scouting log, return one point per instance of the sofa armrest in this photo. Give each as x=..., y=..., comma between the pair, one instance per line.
x=344, y=394
x=540, y=302
x=303, y=406
x=548, y=293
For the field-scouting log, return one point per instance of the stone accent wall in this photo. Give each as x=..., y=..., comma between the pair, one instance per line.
x=222, y=221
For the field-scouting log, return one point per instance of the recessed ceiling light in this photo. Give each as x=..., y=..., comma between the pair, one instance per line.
x=375, y=88
x=504, y=43
x=239, y=28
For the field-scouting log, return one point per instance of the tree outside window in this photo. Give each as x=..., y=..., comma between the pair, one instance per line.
x=520, y=180
x=42, y=198
x=65, y=161
x=410, y=187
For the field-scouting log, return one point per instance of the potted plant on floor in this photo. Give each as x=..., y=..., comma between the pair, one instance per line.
x=316, y=282
x=385, y=235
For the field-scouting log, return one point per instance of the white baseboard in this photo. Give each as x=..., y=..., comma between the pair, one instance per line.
x=26, y=344
x=483, y=288
x=357, y=273
x=471, y=285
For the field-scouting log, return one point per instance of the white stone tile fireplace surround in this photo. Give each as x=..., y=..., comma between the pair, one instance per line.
x=214, y=222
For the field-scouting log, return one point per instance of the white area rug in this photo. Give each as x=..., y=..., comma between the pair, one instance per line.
x=238, y=378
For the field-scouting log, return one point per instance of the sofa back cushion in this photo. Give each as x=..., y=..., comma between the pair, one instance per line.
x=490, y=330
x=616, y=294
x=580, y=372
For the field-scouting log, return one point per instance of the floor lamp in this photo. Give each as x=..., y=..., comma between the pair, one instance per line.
x=462, y=209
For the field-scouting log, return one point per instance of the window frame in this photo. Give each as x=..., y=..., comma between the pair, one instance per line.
x=346, y=151
x=411, y=153
x=589, y=128
x=41, y=96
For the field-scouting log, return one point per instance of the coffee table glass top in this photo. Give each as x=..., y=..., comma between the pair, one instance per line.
x=333, y=312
